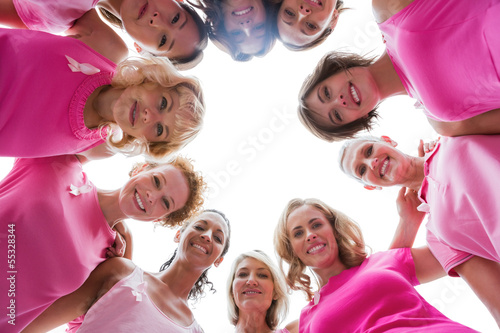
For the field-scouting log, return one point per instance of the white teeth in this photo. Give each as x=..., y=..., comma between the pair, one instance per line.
x=316, y=248
x=354, y=94
x=250, y=292
x=200, y=247
x=384, y=167
x=133, y=114
x=139, y=201
x=243, y=12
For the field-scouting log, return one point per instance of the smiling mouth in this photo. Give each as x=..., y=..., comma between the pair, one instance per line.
x=142, y=11
x=199, y=247
x=354, y=94
x=316, y=248
x=242, y=12
x=251, y=292
x=315, y=3
x=133, y=111
x=383, y=168
x=139, y=201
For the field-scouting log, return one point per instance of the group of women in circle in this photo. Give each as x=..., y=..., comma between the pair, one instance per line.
x=79, y=97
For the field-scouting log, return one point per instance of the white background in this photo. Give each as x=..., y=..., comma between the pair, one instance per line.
x=256, y=156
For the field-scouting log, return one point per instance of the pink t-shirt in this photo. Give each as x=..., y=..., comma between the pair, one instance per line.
x=460, y=193
x=447, y=54
x=53, y=16
x=127, y=308
x=377, y=296
x=57, y=238
x=42, y=99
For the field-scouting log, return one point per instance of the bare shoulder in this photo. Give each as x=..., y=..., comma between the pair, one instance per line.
x=293, y=326
x=385, y=9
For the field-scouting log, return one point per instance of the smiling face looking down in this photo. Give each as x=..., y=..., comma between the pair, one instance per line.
x=161, y=27
x=377, y=163
x=154, y=193
x=301, y=22
x=245, y=23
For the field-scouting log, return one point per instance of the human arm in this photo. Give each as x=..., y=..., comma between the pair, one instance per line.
x=427, y=267
x=385, y=9
x=97, y=153
x=73, y=305
x=123, y=242
x=9, y=16
x=409, y=221
x=483, y=276
x=293, y=327
x=91, y=30
x=485, y=123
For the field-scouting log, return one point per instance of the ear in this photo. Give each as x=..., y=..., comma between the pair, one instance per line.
x=335, y=19
x=390, y=141
x=218, y=261
x=139, y=170
x=138, y=48
x=371, y=187
x=177, y=238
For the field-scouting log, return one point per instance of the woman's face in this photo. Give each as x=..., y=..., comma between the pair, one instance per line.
x=245, y=22
x=203, y=240
x=376, y=163
x=161, y=27
x=343, y=97
x=154, y=193
x=147, y=111
x=253, y=286
x=301, y=22
x=312, y=238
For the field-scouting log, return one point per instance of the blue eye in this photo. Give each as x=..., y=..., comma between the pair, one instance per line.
x=163, y=104
x=297, y=234
x=159, y=129
x=163, y=40
x=362, y=170
x=337, y=115
x=310, y=26
x=289, y=13
x=369, y=151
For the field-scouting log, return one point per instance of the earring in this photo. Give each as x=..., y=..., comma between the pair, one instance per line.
x=138, y=48
x=387, y=139
x=138, y=170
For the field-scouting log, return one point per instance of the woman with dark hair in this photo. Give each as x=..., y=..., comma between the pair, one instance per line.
x=241, y=28
x=357, y=292
x=119, y=296
x=455, y=83
x=167, y=28
x=305, y=24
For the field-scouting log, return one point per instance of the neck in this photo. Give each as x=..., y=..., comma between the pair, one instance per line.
x=108, y=201
x=252, y=322
x=324, y=274
x=180, y=277
x=386, y=77
x=113, y=6
x=416, y=174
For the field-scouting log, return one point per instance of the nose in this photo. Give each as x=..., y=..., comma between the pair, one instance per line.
x=373, y=163
x=207, y=236
x=311, y=236
x=154, y=19
x=152, y=195
x=341, y=100
x=247, y=31
x=149, y=115
x=252, y=281
x=304, y=10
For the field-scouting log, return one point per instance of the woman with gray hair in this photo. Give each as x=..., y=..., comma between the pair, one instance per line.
x=257, y=294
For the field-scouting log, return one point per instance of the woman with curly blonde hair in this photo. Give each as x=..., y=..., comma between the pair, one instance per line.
x=358, y=293
x=143, y=105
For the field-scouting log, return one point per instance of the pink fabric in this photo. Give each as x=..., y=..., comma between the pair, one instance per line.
x=447, y=256
x=59, y=238
x=41, y=99
x=281, y=330
x=127, y=308
x=53, y=16
x=378, y=296
x=461, y=194
x=447, y=54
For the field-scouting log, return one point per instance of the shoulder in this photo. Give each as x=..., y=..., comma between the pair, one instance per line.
x=385, y=9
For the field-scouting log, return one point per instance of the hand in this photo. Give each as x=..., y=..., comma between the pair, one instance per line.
x=424, y=148
x=118, y=248
x=407, y=203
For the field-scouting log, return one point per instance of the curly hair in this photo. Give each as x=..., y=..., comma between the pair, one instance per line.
x=196, y=185
x=350, y=242
x=331, y=64
x=189, y=115
x=182, y=62
x=279, y=306
x=318, y=41
x=214, y=20
x=197, y=292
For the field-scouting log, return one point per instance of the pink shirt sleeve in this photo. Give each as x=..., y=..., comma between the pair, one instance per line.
x=447, y=256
